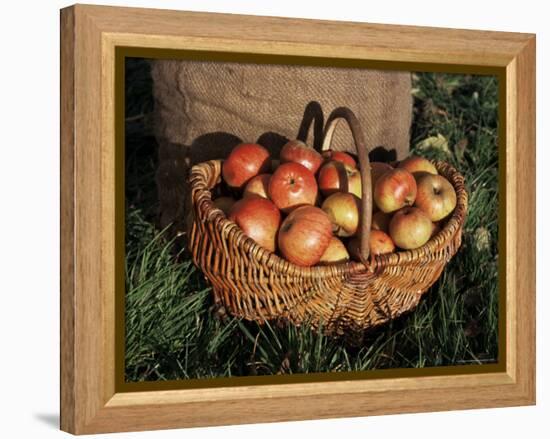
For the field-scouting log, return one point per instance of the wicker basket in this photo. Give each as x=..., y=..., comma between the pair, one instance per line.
x=255, y=284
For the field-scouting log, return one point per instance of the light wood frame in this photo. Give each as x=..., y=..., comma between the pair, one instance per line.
x=89, y=400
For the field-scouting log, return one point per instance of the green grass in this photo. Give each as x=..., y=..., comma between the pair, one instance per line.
x=173, y=331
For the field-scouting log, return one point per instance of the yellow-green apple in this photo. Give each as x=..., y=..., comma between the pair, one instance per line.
x=305, y=235
x=257, y=186
x=410, y=228
x=258, y=218
x=339, y=156
x=245, y=161
x=298, y=152
x=339, y=177
x=415, y=164
x=435, y=196
x=381, y=221
x=292, y=185
x=343, y=209
x=419, y=174
x=336, y=252
x=224, y=204
x=394, y=189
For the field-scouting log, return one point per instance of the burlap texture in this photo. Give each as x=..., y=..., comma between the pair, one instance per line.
x=203, y=109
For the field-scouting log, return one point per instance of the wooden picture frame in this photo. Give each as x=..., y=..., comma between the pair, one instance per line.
x=91, y=400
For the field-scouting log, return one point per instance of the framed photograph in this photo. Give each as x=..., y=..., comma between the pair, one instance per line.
x=268, y=219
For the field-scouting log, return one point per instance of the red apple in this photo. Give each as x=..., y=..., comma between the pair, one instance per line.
x=410, y=228
x=394, y=189
x=381, y=221
x=339, y=156
x=377, y=169
x=339, y=177
x=435, y=196
x=224, y=204
x=305, y=235
x=298, y=152
x=292, y=185
x=415, y=164
x=257, y=186
x=258, y=218
x=380, y=243
x=335, y=253
x=343, y=209
x=245, y=161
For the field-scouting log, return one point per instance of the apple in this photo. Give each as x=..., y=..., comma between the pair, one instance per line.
x=336, y=252
x=343, y=209
x=394, y=189
x=418, y=175
x=245, y=161
x=377, y=169
x=292, y=185
x=379, y=243
x=258, y=218
x=298, y=152
x=435, y=196
x=257, y=186
x=305, y=235
x=224, y=204
x=381, y=221
x=410, y=228
x=339, y=177
x=339, y=156
x=415, y=164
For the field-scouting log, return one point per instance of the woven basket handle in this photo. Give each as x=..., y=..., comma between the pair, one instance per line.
x=364, y=165
x=313, y=114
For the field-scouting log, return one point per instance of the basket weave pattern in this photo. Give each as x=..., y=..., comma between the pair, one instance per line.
x=255, y=284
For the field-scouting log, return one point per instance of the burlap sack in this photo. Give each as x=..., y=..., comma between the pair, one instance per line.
x=203, y=109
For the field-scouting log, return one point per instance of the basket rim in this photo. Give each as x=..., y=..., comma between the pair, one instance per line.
x=202, y=195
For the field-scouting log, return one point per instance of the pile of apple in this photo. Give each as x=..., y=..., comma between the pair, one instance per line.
x=307, y=207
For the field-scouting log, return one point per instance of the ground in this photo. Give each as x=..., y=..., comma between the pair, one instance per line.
x=172, y=331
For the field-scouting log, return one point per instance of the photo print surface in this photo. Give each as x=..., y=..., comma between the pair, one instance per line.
x=270, y=280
